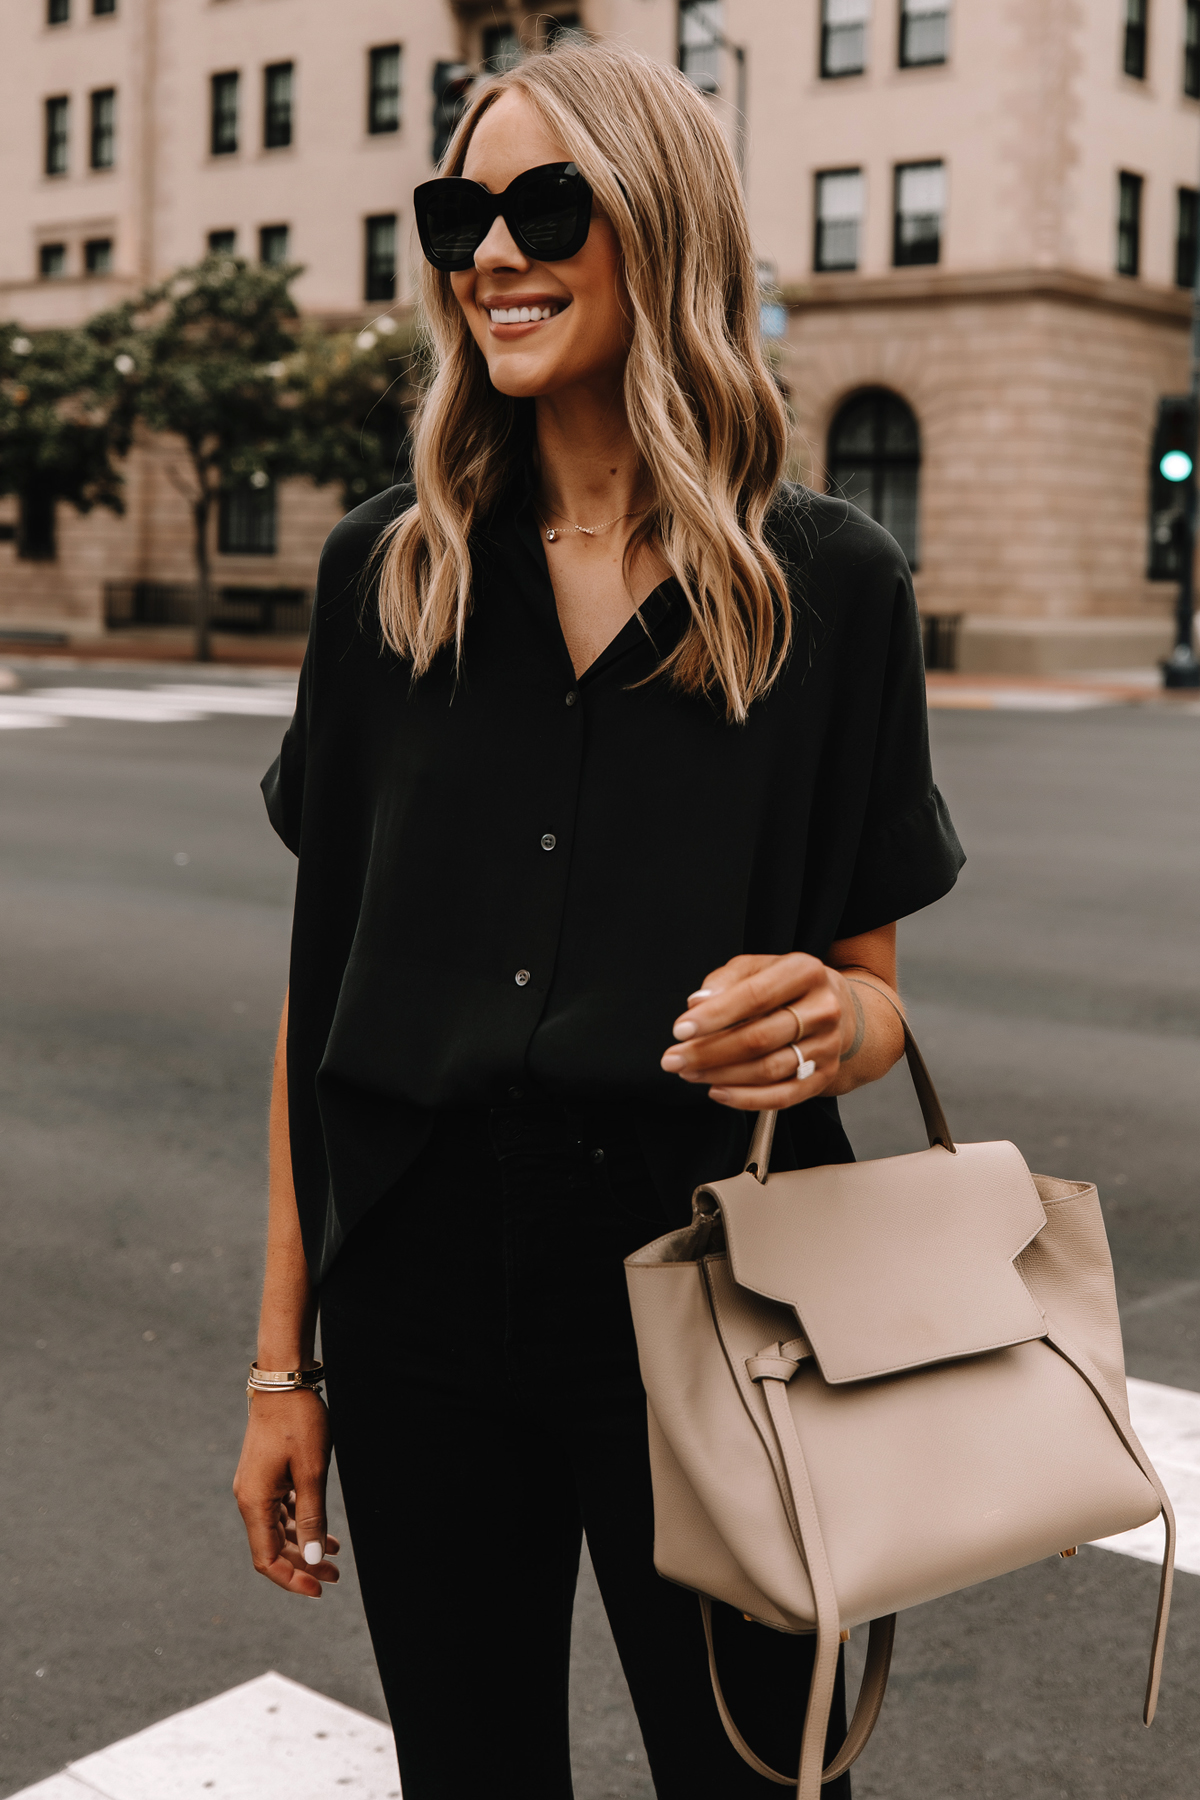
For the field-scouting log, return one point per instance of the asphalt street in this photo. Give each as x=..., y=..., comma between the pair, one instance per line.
x=144, y=916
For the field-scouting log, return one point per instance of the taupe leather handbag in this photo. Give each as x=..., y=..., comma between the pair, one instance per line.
x=870, y=1384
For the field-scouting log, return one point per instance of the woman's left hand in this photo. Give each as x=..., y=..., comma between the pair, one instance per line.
x=744, y=1025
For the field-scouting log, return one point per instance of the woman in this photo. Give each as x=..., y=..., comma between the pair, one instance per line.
x=603, y=728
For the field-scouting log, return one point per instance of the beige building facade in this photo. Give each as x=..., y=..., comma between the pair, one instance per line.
x=972, y=221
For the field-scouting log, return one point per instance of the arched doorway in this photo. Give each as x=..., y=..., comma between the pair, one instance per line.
x=874, y=461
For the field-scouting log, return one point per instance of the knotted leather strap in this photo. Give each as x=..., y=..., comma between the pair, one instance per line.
x=773, y=1369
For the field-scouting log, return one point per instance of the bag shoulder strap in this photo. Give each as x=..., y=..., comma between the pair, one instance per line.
x=866, y=1711
x=936, y=1129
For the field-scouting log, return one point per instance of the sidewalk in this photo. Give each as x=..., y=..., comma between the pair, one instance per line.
x=154, y=644
x=1071, y=692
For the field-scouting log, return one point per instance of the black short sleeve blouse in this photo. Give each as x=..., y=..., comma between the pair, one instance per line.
x=509, y=880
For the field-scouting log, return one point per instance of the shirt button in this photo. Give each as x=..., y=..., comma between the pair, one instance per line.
x=549, y=841
x=521, y=977
x=572, y=697
x=516, y=1093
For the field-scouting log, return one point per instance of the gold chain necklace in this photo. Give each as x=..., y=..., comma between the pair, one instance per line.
x=553, y=533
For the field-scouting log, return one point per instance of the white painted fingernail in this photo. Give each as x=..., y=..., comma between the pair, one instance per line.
x=313, y=1551
x=700, y=994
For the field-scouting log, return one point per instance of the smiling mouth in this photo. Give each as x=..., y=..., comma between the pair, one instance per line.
x=525, y=315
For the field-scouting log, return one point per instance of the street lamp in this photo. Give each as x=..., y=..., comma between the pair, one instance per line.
x=1177, y=465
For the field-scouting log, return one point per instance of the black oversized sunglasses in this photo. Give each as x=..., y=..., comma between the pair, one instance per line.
x=548, y=210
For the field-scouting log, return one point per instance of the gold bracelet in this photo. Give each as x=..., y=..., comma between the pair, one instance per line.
x=283, y=1381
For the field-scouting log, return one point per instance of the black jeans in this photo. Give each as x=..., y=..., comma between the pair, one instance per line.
x=487, y=1410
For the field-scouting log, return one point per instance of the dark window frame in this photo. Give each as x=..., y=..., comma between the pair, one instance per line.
x=384, y=93
x=268, y=234
x=56, y=157
x=278, y=105
x=216, y=248
x=58, y=12
x=1129, y=223
x=1191, y=49
x=1187, y=235
x=102, y=128
x=98, y=256
x=911, y=255
x=46, y=252
x=878, y=462
x=830, y=33
x=224, y=119
x=248, y=520
x=103, y=9
x=379, y=272
x=701, y=63
x=1137, y=24
x=905, y=56
x=820, y=265
x=37, y=534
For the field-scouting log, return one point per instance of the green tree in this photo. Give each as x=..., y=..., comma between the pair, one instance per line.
x=66, y=417
x=353, y=393
x=209, y=350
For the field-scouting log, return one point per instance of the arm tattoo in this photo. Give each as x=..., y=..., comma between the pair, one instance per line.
x=860, y=1029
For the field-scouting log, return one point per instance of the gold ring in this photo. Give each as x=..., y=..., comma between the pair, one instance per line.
x=799, y=1024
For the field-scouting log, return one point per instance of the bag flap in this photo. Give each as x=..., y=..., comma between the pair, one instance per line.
x=895, y=1263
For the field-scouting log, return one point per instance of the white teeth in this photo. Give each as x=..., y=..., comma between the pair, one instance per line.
x=521, y=315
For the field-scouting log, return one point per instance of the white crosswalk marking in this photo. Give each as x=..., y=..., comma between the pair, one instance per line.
x=270, y=1739
x=1167, y=1420
x=162, y=703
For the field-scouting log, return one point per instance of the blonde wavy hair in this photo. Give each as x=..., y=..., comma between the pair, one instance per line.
x=704, y=410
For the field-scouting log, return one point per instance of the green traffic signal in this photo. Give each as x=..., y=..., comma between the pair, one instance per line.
x=1176, y=465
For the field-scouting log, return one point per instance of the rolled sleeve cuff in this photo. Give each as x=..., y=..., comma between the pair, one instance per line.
x=905, y=866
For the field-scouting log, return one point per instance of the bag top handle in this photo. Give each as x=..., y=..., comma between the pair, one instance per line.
x=758, y=1157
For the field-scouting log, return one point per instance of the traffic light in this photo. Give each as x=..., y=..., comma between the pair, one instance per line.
x=1172, y=483
x=451, y=81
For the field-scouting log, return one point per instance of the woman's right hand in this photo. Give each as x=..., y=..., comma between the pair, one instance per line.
x=280, y=1490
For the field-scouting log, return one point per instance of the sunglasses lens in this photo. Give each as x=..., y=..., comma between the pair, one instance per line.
x=551, y=216
x=454, y=224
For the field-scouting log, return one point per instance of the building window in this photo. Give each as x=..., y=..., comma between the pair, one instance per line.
x=277, y=106
x=223, y=133
x=501, y=48
x=58, y=123
x=1129, y=223
x=874, y=461
x=52, y=261
x=383, y=90
x=1187, y=237
x=924, y=32
x=104, y=128
x=100, y=7
x=273, y=245
x=35, y=526
x=98, y=256
x=380, y=281
x=844, y=37
x=1135, y=38
x=222, y=243
x=839, y=212
x=1191, y=49
x=246, y=519
x=701, y=27
x=58, y=12
x=920, y=204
